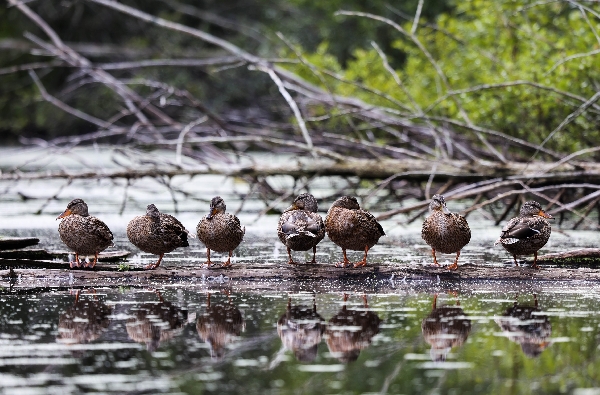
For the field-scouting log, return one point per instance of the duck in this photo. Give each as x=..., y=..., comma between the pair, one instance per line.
x=444, y=231
x=300, y=228
x=352, y=228
x=220, y=231
x=527, y=233
x=83, y=233
x=157, y=233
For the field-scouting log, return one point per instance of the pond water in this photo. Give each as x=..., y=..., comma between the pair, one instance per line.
x=390, y=336
x=217, y=341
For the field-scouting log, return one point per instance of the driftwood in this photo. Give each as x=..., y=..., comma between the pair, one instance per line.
x=409, y=152
x=583, y=255
x=44, y=255
x=404, y=169
x=11, y=243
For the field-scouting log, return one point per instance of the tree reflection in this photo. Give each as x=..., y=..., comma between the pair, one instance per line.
x=350, y=331
x=526, y=326
x=83, y=322
x=444, y=328
x=301, y=329
x=219, y=325
x=154, y=323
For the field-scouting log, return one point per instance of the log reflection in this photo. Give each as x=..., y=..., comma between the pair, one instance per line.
x=350, y=331
x=301, y=329
x=154, y=323
x=444, y=328
x=219, y=325
x=526, y=326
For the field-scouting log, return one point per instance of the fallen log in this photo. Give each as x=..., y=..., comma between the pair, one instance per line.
x=44, y=255
x=13, y=243
x=582, y=255
x=407, y=169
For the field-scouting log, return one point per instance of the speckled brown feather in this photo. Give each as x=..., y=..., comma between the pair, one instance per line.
x=352, y=229
x=157, y=237
x=301, y=220
x=446, y=233
x=527, y=233
x=300, y=228
x=530, y=244
x=84, y=234
x=222, y=233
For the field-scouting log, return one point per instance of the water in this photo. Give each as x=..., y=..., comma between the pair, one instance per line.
x=291, y=336
x=176, y=341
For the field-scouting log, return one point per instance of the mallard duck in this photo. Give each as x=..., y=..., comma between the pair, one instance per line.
x=445, y=327
x=157, y=233
x=444, y=231
x=352, y=228
x=84, y=234
x=220, y=231
x=527, y=233
x=300, y=228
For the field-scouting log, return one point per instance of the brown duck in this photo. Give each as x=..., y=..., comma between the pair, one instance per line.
x=444, y=231
x=527, y=233
x=220, y=231
x=352, y=228
x=300, y=228
x=84, y=234
x=156, y=233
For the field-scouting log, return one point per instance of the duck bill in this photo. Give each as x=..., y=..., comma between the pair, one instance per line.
x=65, y=213
x=544, y=214
x=291, y=208
x=212, y=212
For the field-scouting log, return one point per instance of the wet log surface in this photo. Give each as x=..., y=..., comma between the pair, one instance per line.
x=37, y=273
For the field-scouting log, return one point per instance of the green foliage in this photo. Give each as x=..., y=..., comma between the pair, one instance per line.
x=22, y=112
x=490, y=43
x=124, y=267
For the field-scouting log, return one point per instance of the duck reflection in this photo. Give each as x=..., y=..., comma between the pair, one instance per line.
x=154, y=323
x=526, y=326
x=219, y=325
x=444, y=328
x=83, y=322
x=350, y=331
x=301, y=329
